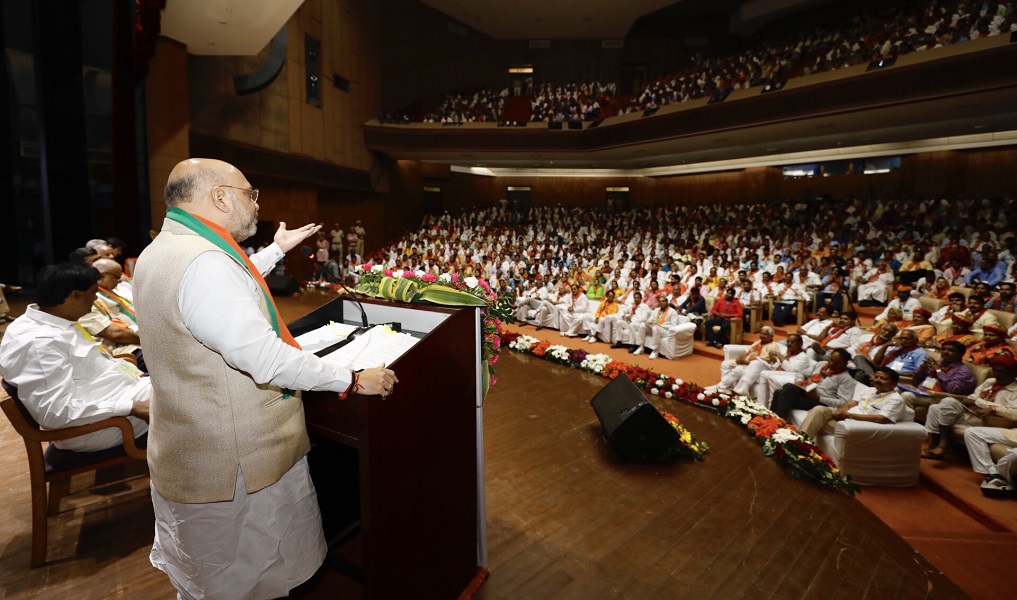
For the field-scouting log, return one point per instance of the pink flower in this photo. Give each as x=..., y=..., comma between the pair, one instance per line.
x=494, y=380
x=409, y=274
x=388, y=272
x=493, y=360
x=429, y=277
x=455, y=277
x=496, y=342
x=485, y=285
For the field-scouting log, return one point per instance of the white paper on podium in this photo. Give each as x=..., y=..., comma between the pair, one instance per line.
x=378, y=345
x=324, y=336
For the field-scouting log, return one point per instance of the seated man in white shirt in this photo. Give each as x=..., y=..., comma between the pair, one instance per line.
x=547, y=314
x=63, y=376
x=880, y=405
x=904, y=302
x=796, y=360
x=815, y=329
x=529, y=299
x=113, y=323
x=657, y=326
x=628, y=329
x=844, y=334
x=739, y=375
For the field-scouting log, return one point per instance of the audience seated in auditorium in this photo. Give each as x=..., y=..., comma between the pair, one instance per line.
x=825, y=383
x=718, y=326
x=996, y=397
x=950, y=376
x=63, y=377
x=879, y=403
x=739, y=375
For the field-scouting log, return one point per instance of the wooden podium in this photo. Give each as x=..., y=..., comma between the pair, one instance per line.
x=410, y=466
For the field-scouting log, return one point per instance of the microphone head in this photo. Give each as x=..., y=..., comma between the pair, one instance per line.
x=306, y=251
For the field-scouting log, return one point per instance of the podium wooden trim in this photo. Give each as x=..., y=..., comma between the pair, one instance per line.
x=418, y=454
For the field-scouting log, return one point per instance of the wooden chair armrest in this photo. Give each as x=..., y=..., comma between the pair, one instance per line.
x=66, y=433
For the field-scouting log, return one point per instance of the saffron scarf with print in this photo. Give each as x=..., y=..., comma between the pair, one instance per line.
x=224, y=241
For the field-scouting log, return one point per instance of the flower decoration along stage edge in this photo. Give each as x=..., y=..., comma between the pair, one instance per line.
x=777, y=438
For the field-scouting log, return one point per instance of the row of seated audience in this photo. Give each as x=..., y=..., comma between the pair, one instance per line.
x=643, y=279
x=893, y=31
x=48, y=354
x=885, y=34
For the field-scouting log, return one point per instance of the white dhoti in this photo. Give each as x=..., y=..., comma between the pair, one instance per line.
x=949, y=412
x=741, y=379
x=624, y=332
x=571, y=322
x=257, y=546
x=873, y=291
x=652, y=335
x=548, y=315
x=602, y=328
x=524, y=307
x=770, y=382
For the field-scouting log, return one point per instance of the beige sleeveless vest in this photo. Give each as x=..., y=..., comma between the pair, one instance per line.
x=206, y=417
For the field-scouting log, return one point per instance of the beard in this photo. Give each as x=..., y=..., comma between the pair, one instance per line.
x=243, y=221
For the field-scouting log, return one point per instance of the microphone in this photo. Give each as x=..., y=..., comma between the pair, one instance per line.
x=306, y=251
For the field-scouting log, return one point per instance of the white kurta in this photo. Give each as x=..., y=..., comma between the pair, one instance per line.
x=64, y=379
x=259, y=545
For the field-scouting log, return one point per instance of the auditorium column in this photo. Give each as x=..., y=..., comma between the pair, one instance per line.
x=168, y=119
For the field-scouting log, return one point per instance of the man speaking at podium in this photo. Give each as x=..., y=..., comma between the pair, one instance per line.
x=236, y=513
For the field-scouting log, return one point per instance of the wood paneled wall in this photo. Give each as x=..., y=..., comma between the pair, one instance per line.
x=990, y=172
x=167, y=121
x=278, y=117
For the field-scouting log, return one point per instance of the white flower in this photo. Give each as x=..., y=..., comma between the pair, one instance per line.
x=668, y=395
x=677, y=382
x=701, y=397
x=397, y=274
x=715, y=402
x=377, y=269
x=418, y=273
x=471, y=282
x=784, y=435
x=444, y=278
x=654, y=391
x=745, y=419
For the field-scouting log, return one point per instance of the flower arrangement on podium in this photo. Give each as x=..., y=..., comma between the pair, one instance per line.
x=447, y=289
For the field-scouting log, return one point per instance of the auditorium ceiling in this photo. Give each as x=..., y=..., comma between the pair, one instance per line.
x=550, y=20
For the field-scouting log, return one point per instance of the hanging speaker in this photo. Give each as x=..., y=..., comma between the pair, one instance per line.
x=632, y=425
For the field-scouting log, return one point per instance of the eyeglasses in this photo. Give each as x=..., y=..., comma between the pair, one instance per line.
x=251, y=193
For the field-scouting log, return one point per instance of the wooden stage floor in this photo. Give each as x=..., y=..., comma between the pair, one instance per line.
x=568, y=520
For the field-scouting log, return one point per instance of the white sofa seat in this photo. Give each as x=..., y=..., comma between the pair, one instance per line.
x=874, y=453
x=760, y=392
x=679, y=342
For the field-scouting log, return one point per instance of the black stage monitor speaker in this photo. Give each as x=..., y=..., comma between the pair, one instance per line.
x=282, y=285
x=631, y=424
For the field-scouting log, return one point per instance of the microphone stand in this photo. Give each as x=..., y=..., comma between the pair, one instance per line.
x=364, y=326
